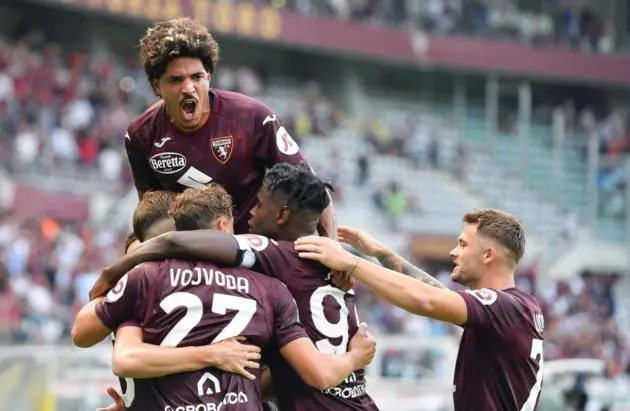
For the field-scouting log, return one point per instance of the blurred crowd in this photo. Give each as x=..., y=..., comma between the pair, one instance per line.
x=568, y=24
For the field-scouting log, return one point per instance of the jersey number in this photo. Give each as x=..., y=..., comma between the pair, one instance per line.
x=537, y=355
x=330, y=330
x=245, y=309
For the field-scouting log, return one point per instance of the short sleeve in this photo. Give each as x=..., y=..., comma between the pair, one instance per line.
x=287, y=325
x=124, y=302
x=272, y=142
x=143, y=176
x=492, y=310
x=263, y=255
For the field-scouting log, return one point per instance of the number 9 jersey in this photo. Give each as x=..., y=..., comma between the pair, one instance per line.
x=327, y=313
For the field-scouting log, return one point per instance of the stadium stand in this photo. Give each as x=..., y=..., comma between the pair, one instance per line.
x=406, y=163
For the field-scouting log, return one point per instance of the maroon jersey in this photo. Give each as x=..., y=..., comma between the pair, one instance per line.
x=500, y=361
x=240, y=140
x=327, y=313
x=182, y=303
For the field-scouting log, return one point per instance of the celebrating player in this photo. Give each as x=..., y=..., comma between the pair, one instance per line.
x=182, y=303
x=500, y=361
x=150, y=219
x=196, y=134
x=289, y=205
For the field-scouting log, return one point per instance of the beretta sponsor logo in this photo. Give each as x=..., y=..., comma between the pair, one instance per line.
x=167, y=163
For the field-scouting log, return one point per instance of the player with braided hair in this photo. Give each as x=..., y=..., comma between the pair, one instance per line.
x=288, y=206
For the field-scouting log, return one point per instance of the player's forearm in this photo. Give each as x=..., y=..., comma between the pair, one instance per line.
x=394, y=261
x=151, y=361
x=335, y=369
x=327, y=226
x=207, y=245
x=401, y=290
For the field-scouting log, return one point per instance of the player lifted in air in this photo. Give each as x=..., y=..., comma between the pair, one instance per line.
x=500, y=361
x=289, y=205
x=186, y=303
x=196, y=134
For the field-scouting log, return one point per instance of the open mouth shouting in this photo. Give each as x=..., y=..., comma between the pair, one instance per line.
x=188, y=108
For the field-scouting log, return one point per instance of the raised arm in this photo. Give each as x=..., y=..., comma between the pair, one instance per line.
x=206, y=245
x=408, y=293
x=370, y=246
x=327, y=226
x=134, y=358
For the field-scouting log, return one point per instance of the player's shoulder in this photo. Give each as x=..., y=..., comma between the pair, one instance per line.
x=491, y=296
x=508, y=298
x=257, y=242
x=236, y=105
x=145, y=120
x=148, y=268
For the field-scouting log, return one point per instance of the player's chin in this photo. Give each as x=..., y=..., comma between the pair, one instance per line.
x=455, y=275
x=186, y=122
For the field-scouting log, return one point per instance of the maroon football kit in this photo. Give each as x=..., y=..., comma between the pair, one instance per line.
x=240, y=141
x=327, y=313
x=180, y=303
x=500, y=361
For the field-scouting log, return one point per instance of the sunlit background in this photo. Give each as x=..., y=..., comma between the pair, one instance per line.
x=417, y=110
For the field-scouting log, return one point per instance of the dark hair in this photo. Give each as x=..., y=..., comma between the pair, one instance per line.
x=500, y=226
x=131, y=237
x=152, y=208
x=302, y=189
x=197, y=208
x=181, y=37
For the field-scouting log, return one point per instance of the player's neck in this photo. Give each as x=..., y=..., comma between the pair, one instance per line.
x=293, y=233
x=499, y=279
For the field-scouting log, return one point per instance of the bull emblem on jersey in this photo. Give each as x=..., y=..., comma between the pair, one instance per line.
x=221, y=148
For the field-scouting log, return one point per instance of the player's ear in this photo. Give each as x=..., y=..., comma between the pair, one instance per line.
x=283, y=215
x=156, y=87
x=489, y=254
x=224, y=224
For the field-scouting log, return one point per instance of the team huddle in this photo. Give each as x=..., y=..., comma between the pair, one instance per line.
x=234, y=292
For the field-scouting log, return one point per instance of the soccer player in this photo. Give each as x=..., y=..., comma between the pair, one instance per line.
x=150, y=219
x=196, y=134
x=184, y=303
x=289, y=205
x=500, y=361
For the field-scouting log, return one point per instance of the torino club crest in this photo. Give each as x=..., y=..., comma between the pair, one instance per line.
x=221, y=148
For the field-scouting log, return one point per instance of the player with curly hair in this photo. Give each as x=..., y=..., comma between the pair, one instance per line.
x=197, y=134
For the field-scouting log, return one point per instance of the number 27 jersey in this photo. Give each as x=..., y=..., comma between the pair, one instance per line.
x=327, y=313
x=183, y=303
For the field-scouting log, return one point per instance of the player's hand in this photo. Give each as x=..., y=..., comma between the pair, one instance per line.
x=342, y=280
x=119, y=403
x=362, y=347
x=235, y=356
x=326, y=251
x=100, y=288
x=360, y=241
